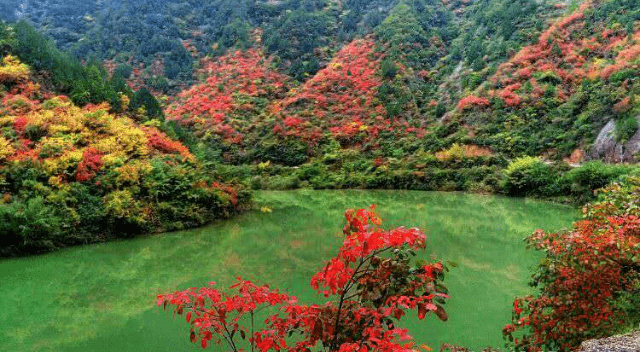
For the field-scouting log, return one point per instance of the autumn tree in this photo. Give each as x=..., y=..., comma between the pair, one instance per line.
x=370, y=284
x=589, y=280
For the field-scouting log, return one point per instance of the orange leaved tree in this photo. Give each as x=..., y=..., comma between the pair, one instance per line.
x=589, y=280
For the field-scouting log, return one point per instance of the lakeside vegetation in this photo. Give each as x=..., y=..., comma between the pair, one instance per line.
x=71, y=175
x=589, y=281
x=451, y=111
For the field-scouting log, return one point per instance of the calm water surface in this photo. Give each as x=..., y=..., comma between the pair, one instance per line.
x=102, y=297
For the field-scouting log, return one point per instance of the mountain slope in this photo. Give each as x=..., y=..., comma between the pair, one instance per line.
x=166, y=37
x=70, y=175
x=410, y=93
x=556, y=94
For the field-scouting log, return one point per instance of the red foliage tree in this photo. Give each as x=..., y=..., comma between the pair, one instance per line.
x=342, y=99
x=372, y=282
x=90, y=164
x=159, y=141
x=472, y=101
x=20, y=124
x=235, y=88
x=587, y=281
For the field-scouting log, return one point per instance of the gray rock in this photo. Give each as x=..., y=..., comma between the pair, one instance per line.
x=606, y=147
x=621, y=343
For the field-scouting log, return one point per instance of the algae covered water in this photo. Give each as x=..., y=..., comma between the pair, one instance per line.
x=102, y=297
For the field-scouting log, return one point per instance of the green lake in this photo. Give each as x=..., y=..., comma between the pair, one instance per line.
x=102, y=297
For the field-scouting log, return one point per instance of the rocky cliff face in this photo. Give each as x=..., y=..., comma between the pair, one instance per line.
x=609, y=149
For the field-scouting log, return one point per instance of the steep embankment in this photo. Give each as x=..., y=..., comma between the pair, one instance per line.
x=555, y=95
x=70, y=175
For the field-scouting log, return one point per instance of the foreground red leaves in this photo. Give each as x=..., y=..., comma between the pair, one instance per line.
x=588, y=279
x=371, y=282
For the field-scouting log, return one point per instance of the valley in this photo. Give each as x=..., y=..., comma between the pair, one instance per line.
x=229, y=136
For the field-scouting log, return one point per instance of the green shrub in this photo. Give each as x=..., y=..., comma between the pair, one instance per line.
x=582, y=182
x=289, y=152
x=625, y=128
x=388, y=68
x=30, y=227
x=528, y=176
x=280, y=182
x=309, y=171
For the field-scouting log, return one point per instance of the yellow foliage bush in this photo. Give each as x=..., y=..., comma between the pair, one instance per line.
x=6, y=149
x=56, y=146
x=455, y=152
x=68, y=160
x=522, y=163
x=114, y=160
x=6, y=120
x=55, y=181
x=458, y=152
x=108, y=145
x=122, y=205
x=62, y=119
x=132, y=172
x=12, y=70
x=126, y=138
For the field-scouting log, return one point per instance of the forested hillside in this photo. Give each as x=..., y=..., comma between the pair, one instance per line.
x=483, y=96
x=163, y=40
x=556, y=94
x=71, y=175
x=414, y=94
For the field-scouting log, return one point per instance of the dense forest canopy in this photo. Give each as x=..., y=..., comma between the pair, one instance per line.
x=406, y=93
x=487, y=95
x=296, y=31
